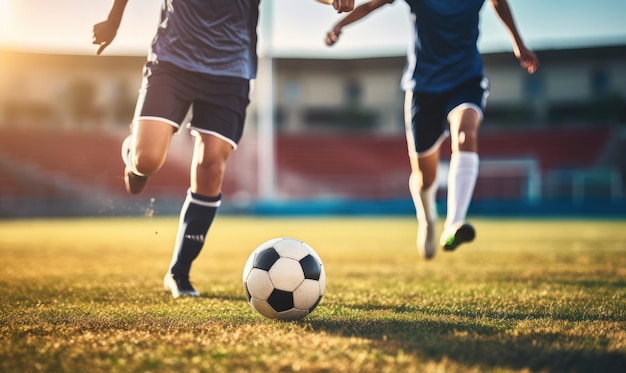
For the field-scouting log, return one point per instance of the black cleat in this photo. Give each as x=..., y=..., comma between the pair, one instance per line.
x=179, y=287
x=134, y=183
x=465, y=233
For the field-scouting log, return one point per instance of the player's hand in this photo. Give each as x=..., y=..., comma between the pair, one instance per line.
x=343, y=5
x=103, y=34
x=332, y=36
x=527, y=58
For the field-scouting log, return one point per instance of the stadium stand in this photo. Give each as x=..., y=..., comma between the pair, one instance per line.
x=73, y=160
x=49, y=164
x=377, y=166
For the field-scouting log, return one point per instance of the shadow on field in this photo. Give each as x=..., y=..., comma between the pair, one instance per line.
x=473, y=344
x=554, y=313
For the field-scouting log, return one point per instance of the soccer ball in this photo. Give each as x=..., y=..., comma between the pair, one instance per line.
x=284, y=279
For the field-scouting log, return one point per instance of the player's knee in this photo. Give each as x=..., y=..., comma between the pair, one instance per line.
x=470, y=128
x=147, y=163
x=212, y=168
x=467, y=137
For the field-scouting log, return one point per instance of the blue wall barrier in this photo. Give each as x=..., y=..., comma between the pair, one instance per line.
x=550, y=208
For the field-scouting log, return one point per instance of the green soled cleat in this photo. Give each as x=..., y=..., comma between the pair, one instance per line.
x=465, y=233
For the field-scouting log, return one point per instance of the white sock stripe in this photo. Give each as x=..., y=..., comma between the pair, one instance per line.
x=204, y=203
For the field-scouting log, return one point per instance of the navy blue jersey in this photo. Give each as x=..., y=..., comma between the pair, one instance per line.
x=443, y=52
x=216, y=37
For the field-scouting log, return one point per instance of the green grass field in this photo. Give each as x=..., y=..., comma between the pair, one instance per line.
x=85, y=295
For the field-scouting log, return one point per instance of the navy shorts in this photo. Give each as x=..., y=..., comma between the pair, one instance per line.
x=426, y=114
x=218, y=103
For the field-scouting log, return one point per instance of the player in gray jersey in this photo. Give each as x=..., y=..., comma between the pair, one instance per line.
x=444, y=84
x=202, y=59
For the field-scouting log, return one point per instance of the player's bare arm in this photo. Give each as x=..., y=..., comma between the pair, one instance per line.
x=359, y=12
x=527, y=58
x=104, y=32
x=343, y=5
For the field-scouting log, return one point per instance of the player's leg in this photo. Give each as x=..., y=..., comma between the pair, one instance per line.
x=217, y=126
x=462, y=176
x=423, y=188
x=144, y=151
x=464, y=119
x=424, y=134
x=199, y=209
x=158, y=115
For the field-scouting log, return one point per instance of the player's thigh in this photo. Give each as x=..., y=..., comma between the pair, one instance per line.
x=151, y=140
x=162, y=106
x=465, y=113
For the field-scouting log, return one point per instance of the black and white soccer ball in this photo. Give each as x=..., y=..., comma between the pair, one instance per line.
x=284, y=279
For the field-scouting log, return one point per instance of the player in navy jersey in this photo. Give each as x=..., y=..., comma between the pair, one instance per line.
x=445, y=96
x=202, y=58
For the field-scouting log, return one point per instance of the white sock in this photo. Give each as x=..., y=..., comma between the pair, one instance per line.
x=426, y=211
x=424, y=200
x=128, y=156
x=133, y=168
x=461, y=181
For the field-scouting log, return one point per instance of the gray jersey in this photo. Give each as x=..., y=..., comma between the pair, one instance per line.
x=216, y=37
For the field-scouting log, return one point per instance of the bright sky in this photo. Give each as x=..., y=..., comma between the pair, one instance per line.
x=299, y=26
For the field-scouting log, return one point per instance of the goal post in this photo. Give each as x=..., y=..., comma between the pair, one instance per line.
x=510, y=178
